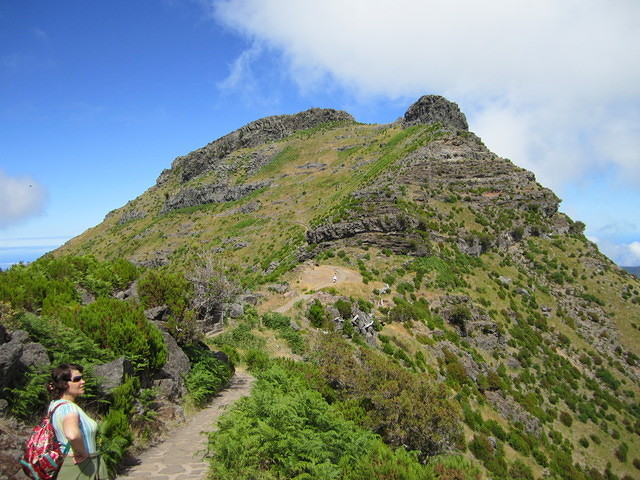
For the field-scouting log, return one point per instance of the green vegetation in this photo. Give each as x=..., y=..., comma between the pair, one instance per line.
x=288, y=430
x=44, y=300
x=502, y=335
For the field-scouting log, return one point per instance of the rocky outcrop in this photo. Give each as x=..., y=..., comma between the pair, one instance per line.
x=384, y=224
x=434, y=108
x=17, y=355
x=513, y=411
x=130, y=215
x=170, y=379
x=449, y=167
x=219, y=193
x=250, y=136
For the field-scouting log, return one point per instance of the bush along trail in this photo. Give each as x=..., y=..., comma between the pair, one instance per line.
x=182, y=455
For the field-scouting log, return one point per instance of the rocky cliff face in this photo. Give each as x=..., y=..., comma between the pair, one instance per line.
x=453, y=166
x=255, y=133
x=434, y=108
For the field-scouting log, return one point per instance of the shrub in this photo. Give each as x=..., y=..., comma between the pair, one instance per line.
x=607, y=377
x=286, y=430
x=540, y=457
x=275, y=320
x=157, y=288
x=364, y=374
x=122, y=328
x=316, y=314
x=403, y=311
x=495, y=429
x=518, y=442
x=114, y=437
x=294, y=339
x=562, y=465
x=382, y=462
x=456, y=372
x=239, y=337
x=622, y=452
x=26, y=287
x=256, y=360
x=107, y=277
x=207, y=376
x=482, y=448
x=459, y=316
x=520, y=471
x=566, y=418
x=63, y=343
x=365, y=306
x=455, y=468
x=344, y=308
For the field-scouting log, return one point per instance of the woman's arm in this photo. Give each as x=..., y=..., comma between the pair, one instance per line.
x=71, y=428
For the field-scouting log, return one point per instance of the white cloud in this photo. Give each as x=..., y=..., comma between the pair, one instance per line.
x=634, y=248
x=241, y=68
x=623, y=254
x=540, y=81
x=20, y=198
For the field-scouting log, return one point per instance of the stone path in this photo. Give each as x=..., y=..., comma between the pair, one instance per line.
x=180, y=456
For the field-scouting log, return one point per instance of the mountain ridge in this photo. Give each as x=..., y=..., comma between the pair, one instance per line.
x=476, y=277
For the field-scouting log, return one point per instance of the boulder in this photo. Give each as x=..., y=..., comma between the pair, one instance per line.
x=249, y=298
x=17, y=355
x=279, y=287
x=157, y=313
x=131, y=293
x=235, y=310
x=170, y=378
x=111, y=375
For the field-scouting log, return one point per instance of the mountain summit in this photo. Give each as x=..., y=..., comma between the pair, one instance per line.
x=428, y=157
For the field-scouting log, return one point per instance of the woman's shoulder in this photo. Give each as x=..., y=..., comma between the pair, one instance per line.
x=63, y=407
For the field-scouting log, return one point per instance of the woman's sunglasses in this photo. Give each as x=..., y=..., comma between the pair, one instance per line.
x=76, y=379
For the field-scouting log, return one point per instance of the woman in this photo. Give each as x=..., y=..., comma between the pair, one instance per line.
x=73, y=426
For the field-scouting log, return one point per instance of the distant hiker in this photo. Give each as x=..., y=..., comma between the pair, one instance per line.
x=72, y=425
x=335, y=277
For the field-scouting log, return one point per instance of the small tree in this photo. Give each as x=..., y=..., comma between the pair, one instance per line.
x=316, y=314
x=459, y=317
x=212, y=288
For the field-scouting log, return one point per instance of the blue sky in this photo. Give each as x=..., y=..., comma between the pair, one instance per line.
x=97, y=98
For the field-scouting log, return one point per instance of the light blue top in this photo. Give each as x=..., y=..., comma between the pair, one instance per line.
x=88, y=426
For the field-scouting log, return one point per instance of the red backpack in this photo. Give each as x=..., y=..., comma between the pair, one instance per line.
x=43, y=455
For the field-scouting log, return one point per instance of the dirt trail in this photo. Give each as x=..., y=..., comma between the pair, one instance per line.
x=181, y=456
x=315, y=278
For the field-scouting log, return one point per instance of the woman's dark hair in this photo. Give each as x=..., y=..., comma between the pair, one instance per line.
x=59, y=378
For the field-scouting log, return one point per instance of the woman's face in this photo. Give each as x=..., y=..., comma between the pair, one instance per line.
x=75, y=386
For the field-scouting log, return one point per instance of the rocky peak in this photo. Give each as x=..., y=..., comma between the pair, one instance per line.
x=251, y=135
x=434, y=108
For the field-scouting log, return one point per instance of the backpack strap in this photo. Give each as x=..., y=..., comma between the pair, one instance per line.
x=50, y=414
x=67, y=445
